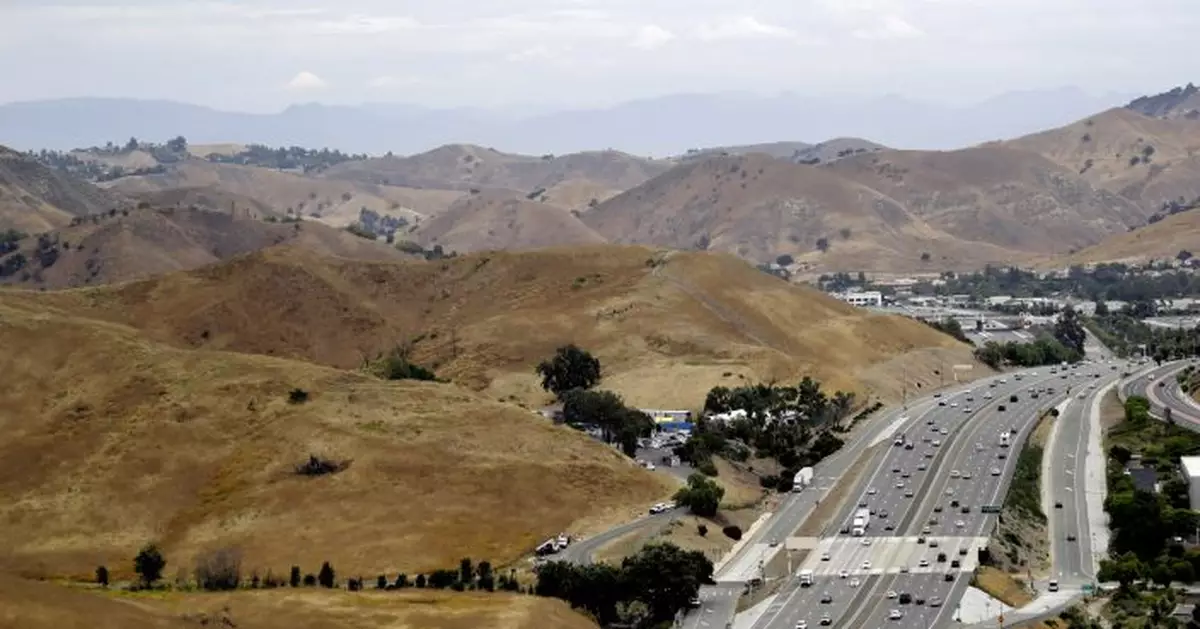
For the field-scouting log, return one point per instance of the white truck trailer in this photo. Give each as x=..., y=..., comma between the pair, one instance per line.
x=862, y=519
x=803, y=479
x=806, y=577
x=1004, y=439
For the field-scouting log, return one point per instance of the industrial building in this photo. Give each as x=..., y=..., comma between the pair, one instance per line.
x=863, y=299
x=1189, y=466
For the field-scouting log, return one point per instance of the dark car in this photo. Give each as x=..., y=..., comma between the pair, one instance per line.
x=953, y=504
x=955, y=564
x=941, y=557
x=826, y=598
x=949, y=576
x=1071, y=537
x=966, y=508
x=1057, y=505
x=905, y=598
x=1012, y=398
x=962, y=551
x=1001, y=408
x=1002, y=456
x=919, y=601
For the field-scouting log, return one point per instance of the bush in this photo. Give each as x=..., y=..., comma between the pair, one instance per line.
x=326, y=575
x=102, y=576
x=701, y=530
x=219, y=570
x=732, y=532
x=310, y=580
x=297, y=396
x=317, y=466
x=708, y=468
x=701, y=495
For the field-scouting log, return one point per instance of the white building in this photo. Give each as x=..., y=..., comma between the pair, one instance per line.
x=863, y=299
x=1189, y=466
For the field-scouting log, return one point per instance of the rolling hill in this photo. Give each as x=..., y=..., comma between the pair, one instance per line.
x=495, y=220
x=332, y=201
x=465, y=167
x=1180, y=102
x=1148, y=161
x=1159, y=241
x=198, y=449
x=34, y=198
x=142, y=242
x=667, y=327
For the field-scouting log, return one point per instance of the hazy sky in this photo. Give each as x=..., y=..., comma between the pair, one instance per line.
x=260, y=55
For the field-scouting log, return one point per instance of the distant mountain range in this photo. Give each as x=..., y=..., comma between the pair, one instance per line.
x=668, y=125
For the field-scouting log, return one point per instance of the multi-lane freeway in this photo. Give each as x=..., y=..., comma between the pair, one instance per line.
x=927, y=524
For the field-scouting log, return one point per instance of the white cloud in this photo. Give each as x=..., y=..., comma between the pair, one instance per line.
x=741, y=27
x=306, y=80
x=388, y=81
x=890, y=27
x=651, y=36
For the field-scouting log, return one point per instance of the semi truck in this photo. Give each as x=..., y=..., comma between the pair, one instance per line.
x=803, y=479
x=806, y=577
x=1004, y=439
x=862, y=519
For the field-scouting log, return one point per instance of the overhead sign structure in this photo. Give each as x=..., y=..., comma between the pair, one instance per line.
x=989, y=509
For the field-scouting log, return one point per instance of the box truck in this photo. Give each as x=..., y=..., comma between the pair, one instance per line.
x=803, y=479
x=862, y=519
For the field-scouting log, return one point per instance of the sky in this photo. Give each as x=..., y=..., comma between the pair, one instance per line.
x=261, y=55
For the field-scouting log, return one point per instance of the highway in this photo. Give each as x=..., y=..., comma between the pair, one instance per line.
x=970, y=446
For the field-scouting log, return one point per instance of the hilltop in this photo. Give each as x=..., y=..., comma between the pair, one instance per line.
x=280, y=194
x=197, y=449
x=496, y=220
x=890, y=210
x=120, y=246
x=35, y=198
x=465, y=167
x=1148, y=161
x=1180, y=102
x=666, y=326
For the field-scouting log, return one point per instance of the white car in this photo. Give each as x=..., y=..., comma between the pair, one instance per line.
x=895, y=614
x=866, y=541
x=825, y=557
x=924, y=563
x=872, y=491
x=959, y=523
x=995, y=471
x=954, y=474
x=866, y=565
x=954, y=405
x=843, y=574
x=899, y=484
x=855, y=583
x=944, y=431
x=891, y=594
x=801, y=624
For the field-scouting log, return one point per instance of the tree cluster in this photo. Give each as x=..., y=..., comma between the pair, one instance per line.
x=1043, y=351
x=286, y=158
x=701, y=495
x=647, y=589
x=606, y=410
x=949, y=326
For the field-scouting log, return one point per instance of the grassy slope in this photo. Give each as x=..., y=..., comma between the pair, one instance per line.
x=666, y=327
x=112, y=440
x=34, y=605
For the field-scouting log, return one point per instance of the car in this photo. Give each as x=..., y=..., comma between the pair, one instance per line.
x=905, y=598
x=903, y=569
x=953, y=504
x=801, y=624
x=919, y=601
x=933, y=521
x=937, y=508
x=944, y=431
x=959, y=524
x=935, y=601
x=988, y=395
x=908, y=446
x=921, y=539
x=1001, y=408
x=933, y=543
x=694, y=602
x=954, y=405
x=963, y=551
x=900, y=484
x=658, y=508
x=929, y=454
x=955, y=564
x=1013, y=399
x=1002, y=456
x=937, y=443
x=941, y=557
x=872, y=491
x=966, y=508
x=905, y=475
x=866, y=565
x=967, y=409
x=1070, y=537
x=843, y=574
x=995, y=471
x=889, y=527
x=845, y=530
x=825, y=557
x=866, y=541
x=921, y=467
x=924, y=563
x=895, y=614
x=862, y=504
x=953, y=473
x=941, y=402
x=970, y=398
x=895, y=470
x=937, y=395
x=892, y=594
x=949, y=492
x=826, y=598
x=855, y=583
x=883, y=513
x=949, y=576
x=966, y=476
x=826, y=620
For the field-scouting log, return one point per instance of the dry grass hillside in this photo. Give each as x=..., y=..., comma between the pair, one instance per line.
x=1001, y=196
x=1145, y=160
x=759, y=207
x=113, y=440
x=335, y=202
x=38, y=605
x=498, y=219
x=1158, y=241
x=34, y=198
x=667, y=327
x=144, y=242
x=1182, y=102
x=464, y=167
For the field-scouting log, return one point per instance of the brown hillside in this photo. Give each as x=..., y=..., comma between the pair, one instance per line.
x=666, y=327
x=1103, y=148
x=112, y=440
x=463, y=167
x=1178, y=103
x=759, y=207
x=335, y=202
x=1159, y=241
x=495, y=219
x=38, y=605
x=996, y=195
x=143, y=242
x=34, y=198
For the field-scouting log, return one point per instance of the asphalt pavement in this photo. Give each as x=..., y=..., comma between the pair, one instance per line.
x=971, y=445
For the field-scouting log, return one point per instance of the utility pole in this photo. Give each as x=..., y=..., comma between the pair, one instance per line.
x=904, y=387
